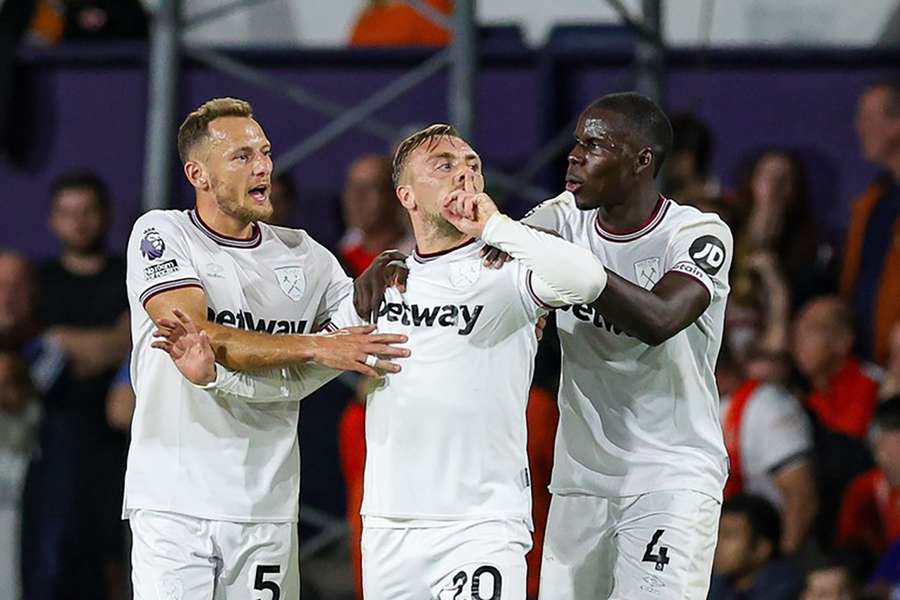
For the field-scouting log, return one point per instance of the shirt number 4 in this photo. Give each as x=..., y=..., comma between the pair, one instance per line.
x=661, y=557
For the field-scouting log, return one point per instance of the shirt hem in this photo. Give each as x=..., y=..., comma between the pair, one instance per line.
x=130, y=510
x=577, y=491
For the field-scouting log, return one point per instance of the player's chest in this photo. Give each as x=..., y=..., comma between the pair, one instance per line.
x=456, y=302
x=641, y=261
x=264, y=293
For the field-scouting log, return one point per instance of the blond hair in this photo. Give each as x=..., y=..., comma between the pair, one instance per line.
x=432, y=132
x=194, y=129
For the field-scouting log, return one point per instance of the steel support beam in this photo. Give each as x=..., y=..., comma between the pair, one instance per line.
x=431, y=13
x=463, y=69
x=163, y=80
x=358, y=114
x=650, y=70
x=217, y=12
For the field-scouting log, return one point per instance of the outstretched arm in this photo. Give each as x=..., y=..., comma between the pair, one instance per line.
x=192, y=354
x=246, y=350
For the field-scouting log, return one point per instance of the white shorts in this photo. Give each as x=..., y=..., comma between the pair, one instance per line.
x=656, y=545
x=176, y=557
x=479, y=560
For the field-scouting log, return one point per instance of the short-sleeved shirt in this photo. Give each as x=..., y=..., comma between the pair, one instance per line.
x=446, y=438
x=191, y=452
x=75, y=300
x=774, y=433
x=636, y=418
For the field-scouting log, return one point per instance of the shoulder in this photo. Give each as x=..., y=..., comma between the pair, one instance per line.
x=563, y=204
x=685, y=218
x=773, y=402
x=160, y=221
x=293, y=239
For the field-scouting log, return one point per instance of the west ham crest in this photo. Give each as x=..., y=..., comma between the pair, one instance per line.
x=647, y=272
x=464, y=274
x=292, y=281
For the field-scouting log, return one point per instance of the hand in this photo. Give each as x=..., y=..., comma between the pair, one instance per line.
x=468, y=210
x=387, y=270
x=494, y=258
x=188, y=347
x=348, y=349
x=539, y=328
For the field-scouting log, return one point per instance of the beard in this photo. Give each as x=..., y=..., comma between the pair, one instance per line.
x=442, y=227
x=236, y=204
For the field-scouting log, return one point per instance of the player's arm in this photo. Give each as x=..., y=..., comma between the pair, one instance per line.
x=93, y=350
x=191, y=352
x=241, y=350
x=562, y=272
x=698, y=259
x=653, y=316
x=797, y=485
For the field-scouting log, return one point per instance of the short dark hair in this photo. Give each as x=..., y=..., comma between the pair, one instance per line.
x=82, y=179
x=195, y=126
x=644, y=118
x=765, y=522
x=432, y=132
x=690, y=134
x=887, y=414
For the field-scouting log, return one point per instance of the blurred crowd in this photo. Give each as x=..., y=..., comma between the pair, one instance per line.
x=809, y=370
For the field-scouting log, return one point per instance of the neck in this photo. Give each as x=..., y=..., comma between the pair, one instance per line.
x=633, y=212
x=431, y=239
x=83, y=263
x=382, y=239
x=821, y=380
x=221, y=222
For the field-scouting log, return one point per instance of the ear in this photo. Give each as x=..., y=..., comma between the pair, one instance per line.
x=644, y=160
x=407, y=197
x=196, y=175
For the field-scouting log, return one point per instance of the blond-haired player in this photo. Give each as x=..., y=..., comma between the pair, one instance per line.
x=212, y=484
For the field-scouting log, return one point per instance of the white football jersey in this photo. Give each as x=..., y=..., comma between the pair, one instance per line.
x=192, y=452
x=635, y=418
x=446, y=437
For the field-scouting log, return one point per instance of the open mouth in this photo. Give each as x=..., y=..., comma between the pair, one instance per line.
x=260, y=193
x=573, y=184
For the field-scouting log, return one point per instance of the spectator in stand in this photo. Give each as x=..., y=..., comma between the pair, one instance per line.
x=747, y=563
x=777, y=218
x=19, y=417
x=284, y=200
x=72, y=532
x=870, y=275
x=396, y=23
x=375, y=219
x=841, y=397
x=844, y=390
x=769, y=443
x=830, y=578
x=759, y=321
x=688, y=179
x=870, y=514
